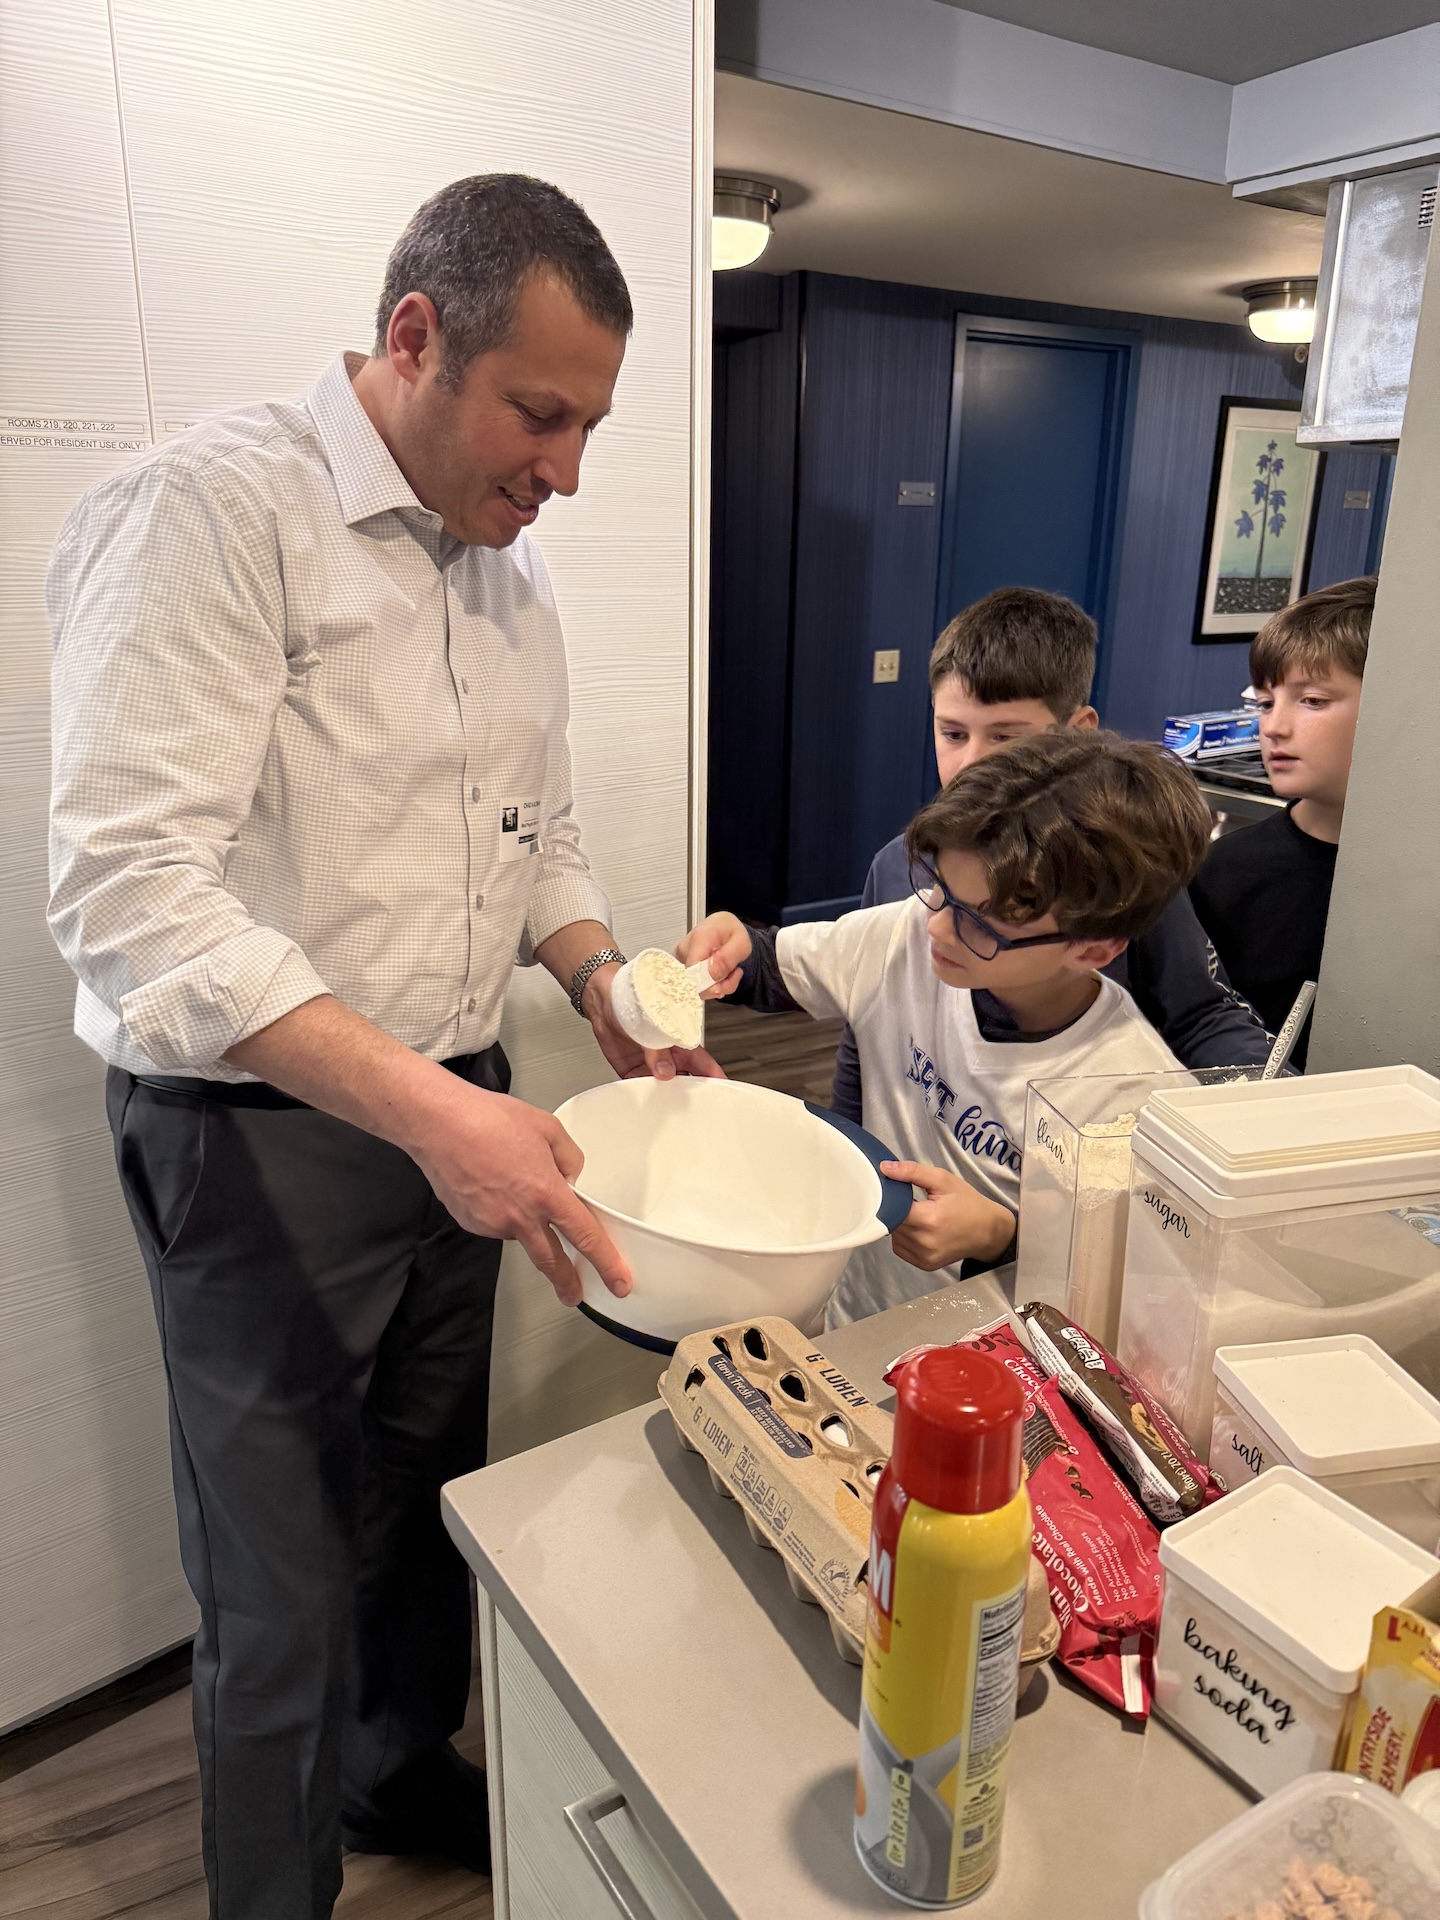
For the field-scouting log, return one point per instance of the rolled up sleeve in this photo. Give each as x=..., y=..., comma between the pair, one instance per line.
x=166, y=607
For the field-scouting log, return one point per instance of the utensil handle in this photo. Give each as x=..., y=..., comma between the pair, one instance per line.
x=1285, y=1040
x=583, y=1817
x=896, y=1199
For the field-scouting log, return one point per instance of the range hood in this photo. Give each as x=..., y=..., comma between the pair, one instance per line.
x=1372, y=275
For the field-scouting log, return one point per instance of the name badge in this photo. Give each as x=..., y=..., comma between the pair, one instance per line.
x=519, y=829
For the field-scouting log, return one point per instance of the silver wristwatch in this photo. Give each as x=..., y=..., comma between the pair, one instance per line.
x=607, y=956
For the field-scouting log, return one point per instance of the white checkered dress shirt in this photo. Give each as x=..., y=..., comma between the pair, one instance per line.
x=293, y=721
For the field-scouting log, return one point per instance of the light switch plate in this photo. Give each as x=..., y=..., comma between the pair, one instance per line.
x=887, y=668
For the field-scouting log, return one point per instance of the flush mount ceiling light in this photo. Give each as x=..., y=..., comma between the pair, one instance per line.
x=740, y=230
x=1281, y=312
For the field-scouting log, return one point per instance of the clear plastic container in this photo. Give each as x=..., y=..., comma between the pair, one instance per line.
x=1281, y=1211
x=1270, y=1598
x=1075, y=1188
x=1340, y=1411
x=1323, y=1819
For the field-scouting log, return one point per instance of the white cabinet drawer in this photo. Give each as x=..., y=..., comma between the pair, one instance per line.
x=592, y=1863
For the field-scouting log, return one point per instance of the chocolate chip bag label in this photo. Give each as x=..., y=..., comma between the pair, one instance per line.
x=1136, y=1431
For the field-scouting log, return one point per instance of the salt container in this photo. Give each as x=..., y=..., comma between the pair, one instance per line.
x=1330, y=1822
x=1339, y=1411
x=1281, y=1210
x=1265, y=1623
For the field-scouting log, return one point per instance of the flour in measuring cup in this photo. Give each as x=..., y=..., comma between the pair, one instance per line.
x=669, y=997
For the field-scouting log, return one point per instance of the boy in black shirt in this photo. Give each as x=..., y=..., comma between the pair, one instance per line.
x=1264, y=893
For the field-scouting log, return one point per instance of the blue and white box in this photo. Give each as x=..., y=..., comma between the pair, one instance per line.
x=1206, y=736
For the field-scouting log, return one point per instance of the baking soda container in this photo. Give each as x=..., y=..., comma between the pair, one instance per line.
x=949, y=1550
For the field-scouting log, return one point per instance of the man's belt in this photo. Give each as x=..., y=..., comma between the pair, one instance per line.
x=259, y=1093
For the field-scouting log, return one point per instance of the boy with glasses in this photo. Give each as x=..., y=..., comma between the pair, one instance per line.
x=1028, y=874
x=1021, y=662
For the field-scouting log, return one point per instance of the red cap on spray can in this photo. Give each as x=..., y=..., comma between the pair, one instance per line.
x=958, y=1421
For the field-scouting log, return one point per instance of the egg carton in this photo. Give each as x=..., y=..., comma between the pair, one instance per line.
x=800, y=1448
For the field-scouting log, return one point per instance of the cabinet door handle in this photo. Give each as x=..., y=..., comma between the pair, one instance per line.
x=584, y=1817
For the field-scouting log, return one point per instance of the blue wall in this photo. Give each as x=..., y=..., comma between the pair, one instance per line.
x=871, y=404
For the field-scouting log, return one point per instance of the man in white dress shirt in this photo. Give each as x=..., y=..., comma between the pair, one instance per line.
x=311, y=803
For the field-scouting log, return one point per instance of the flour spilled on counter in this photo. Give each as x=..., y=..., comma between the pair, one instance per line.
x=669, y=997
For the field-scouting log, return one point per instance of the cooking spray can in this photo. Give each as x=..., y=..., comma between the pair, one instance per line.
x=949, y=1550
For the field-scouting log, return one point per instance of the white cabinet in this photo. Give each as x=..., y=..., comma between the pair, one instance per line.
x=567, y=1845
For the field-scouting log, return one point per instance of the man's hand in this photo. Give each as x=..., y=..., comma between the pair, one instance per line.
x=630, y=1060
x=953, y=1222
x=502, y=1169
x=568, y=950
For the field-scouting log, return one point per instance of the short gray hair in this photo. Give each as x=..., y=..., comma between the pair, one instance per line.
x=471, y=248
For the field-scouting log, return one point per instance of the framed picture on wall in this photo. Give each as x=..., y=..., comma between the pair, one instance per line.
x=1260, y=522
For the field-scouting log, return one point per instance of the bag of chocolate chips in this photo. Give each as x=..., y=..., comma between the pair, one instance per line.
x=1100, y=1551
x=1135, y=1430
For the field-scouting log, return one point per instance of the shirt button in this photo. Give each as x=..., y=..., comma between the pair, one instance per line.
x=470, y=1004
x=474, y=793
x=464, y=686
x=479, y=901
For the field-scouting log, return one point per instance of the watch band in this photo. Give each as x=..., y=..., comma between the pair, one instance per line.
x=607, y=956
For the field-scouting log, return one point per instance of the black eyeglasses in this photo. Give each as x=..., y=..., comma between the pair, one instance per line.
x=983, y=940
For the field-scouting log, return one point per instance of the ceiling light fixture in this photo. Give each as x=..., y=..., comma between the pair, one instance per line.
x=1281, y=312
x=740, y=230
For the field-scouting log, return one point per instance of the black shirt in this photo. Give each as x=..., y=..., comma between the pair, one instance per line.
x=1263, y=896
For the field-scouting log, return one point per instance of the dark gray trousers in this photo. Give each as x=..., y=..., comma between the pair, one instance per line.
x=325, y=1327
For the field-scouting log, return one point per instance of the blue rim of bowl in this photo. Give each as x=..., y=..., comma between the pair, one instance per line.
x=649, y=1341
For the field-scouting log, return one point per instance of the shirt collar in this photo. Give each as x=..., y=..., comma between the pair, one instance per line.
x=366, y=477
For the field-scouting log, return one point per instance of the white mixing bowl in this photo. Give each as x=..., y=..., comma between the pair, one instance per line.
x=727, y=1200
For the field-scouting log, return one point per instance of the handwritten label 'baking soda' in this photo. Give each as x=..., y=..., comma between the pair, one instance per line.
x=1244, y=1708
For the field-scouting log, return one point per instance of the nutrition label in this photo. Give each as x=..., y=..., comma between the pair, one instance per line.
x=998, y=1631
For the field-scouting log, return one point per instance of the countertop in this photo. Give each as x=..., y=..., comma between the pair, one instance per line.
x=724, y=1711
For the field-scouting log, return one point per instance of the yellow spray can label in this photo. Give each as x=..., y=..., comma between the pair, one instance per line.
x=942, y=1661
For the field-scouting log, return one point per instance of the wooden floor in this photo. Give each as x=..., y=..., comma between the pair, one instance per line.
x=110, y=1825
x=787, y=1051
x=100, y=1804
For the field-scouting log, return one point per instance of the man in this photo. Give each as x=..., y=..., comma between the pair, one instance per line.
x=311, y=800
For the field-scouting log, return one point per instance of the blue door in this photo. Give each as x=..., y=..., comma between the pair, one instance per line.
x=1038, y=439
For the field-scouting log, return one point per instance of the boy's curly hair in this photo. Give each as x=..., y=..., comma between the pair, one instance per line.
x=1101, y=831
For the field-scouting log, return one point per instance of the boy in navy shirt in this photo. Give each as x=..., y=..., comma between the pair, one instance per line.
x=1020, y=662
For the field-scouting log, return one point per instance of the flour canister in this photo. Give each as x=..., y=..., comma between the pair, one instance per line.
x=949, y=1552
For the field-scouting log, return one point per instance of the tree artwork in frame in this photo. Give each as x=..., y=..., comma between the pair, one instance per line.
x=1262, y=514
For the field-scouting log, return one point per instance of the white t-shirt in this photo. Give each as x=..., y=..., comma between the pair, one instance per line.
x=934, y=1090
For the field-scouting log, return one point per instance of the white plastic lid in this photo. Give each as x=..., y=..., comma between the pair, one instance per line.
x=1334, y=1405
x=1422, y=1796
x=1333, y=1817
x=1300, y=1569
x=1327, y=1131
